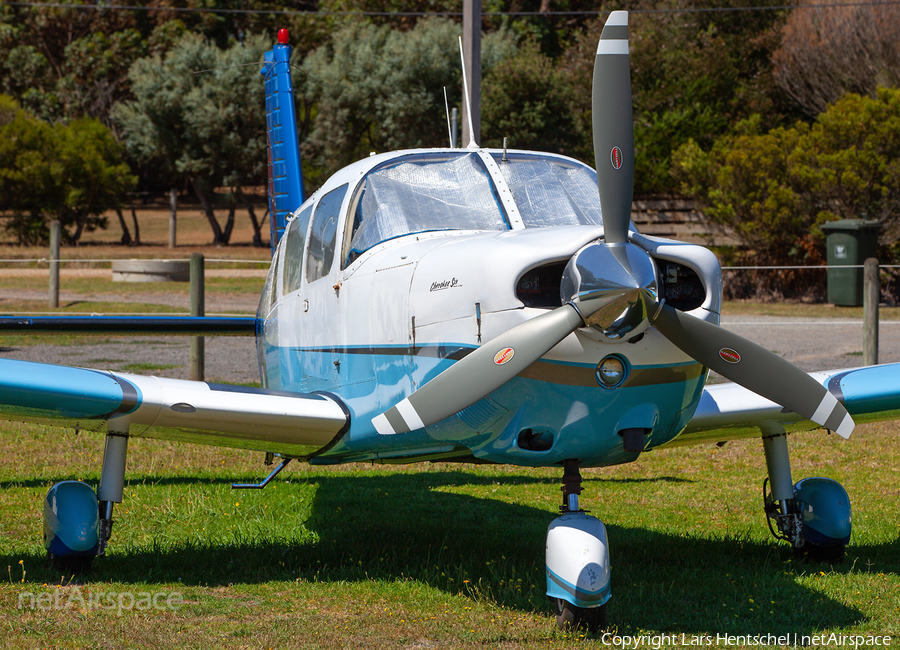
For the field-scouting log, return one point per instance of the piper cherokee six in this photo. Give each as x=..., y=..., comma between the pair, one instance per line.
x=468, y=305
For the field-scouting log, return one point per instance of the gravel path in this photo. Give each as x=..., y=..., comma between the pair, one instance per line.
x=811, y=344
x=816, y=343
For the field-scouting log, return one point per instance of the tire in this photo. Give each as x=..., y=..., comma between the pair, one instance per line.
x=826, y=554
x=71, y=564
x=572, y=617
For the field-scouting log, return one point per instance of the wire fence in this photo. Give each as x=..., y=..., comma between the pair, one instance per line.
x=44, y=260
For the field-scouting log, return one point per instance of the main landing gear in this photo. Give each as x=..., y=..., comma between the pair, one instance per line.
x=813, y=515
x=78, y=522
x=577, y=561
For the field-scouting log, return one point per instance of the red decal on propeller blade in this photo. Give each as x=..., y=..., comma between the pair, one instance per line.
x=504, y=356
x=729, y=356
x=616, y=158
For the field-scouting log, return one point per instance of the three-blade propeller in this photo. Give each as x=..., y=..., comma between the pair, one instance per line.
x=612, y=287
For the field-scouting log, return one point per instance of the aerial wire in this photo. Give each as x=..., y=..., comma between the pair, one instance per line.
x=406, y=14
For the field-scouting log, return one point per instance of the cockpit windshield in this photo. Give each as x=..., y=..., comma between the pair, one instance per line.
x=551, y=191
x=418, y=193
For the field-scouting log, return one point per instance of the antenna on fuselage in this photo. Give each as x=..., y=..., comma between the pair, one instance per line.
x=447, y=111
x=472, y=144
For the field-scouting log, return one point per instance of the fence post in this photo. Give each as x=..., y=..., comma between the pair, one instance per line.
x=871, y=298
x=55, y=232
x=173, y=207
x=198, y=308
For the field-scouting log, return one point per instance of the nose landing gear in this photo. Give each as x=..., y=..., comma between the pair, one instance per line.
x=577, y=561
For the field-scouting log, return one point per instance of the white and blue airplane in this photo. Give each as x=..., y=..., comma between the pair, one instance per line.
x=468, y=305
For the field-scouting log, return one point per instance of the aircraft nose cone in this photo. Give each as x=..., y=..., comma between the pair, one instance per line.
x=612, y=286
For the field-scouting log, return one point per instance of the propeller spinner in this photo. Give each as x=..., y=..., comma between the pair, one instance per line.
x=611, y=286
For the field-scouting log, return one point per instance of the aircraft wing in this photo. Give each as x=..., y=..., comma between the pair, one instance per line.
x=292, y=424
x=728, y=411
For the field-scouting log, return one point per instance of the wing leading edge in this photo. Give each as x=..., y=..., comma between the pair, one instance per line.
x=151, y=325
x=729, y=411
x=293, y=424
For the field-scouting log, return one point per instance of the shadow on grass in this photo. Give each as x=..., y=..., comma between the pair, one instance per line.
x=458, y=478
x=416, y=526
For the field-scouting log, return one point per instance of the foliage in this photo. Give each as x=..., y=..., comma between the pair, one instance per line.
x=528, y=99
x=694, y=75
x=73, y=173
x=198, y=118
x=828, y=50
x=775, y=189
x=380, y=89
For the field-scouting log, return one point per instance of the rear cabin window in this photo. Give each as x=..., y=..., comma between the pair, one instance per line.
x=323, y=234
x=293, y=250
x=423, y=192
x=552, y=192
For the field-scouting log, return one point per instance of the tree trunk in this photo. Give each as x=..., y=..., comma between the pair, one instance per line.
x=229, y=224
x=208, y=211
x=126, y=236
x=137, y=230
x=79, y=228
x=257, y=235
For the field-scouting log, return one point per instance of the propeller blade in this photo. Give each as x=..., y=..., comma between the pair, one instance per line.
x=753, y=367
x=613, y=127
x=480, y=372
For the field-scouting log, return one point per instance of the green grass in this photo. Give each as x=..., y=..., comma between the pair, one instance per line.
x=801, y=310
x=94, y=285
x=142, y=367
x=441, y=555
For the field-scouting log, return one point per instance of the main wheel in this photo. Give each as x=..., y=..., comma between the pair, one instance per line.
x=70, y=564
x=572, y=617
x=819, y=553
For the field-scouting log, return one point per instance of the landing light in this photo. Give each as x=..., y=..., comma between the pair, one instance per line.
x=611, y=371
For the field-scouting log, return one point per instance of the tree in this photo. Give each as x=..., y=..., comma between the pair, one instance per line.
x=828, y=51
x=73, y=173
x=528, y=99
x=693, y=75
x=198, y=117
x=776, y=189
x=378, y=89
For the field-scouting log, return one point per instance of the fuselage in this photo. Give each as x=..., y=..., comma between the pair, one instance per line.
x=402, y=263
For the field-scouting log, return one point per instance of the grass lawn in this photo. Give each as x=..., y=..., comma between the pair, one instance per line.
x=439, y=555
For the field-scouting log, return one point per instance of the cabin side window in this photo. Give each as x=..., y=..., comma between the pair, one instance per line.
x=293, y=250
x=420, y=193
x=550, y=191
x=322, y=237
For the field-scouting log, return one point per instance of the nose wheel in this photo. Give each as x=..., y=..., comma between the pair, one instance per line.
x=577, y=561
x=572, y=617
